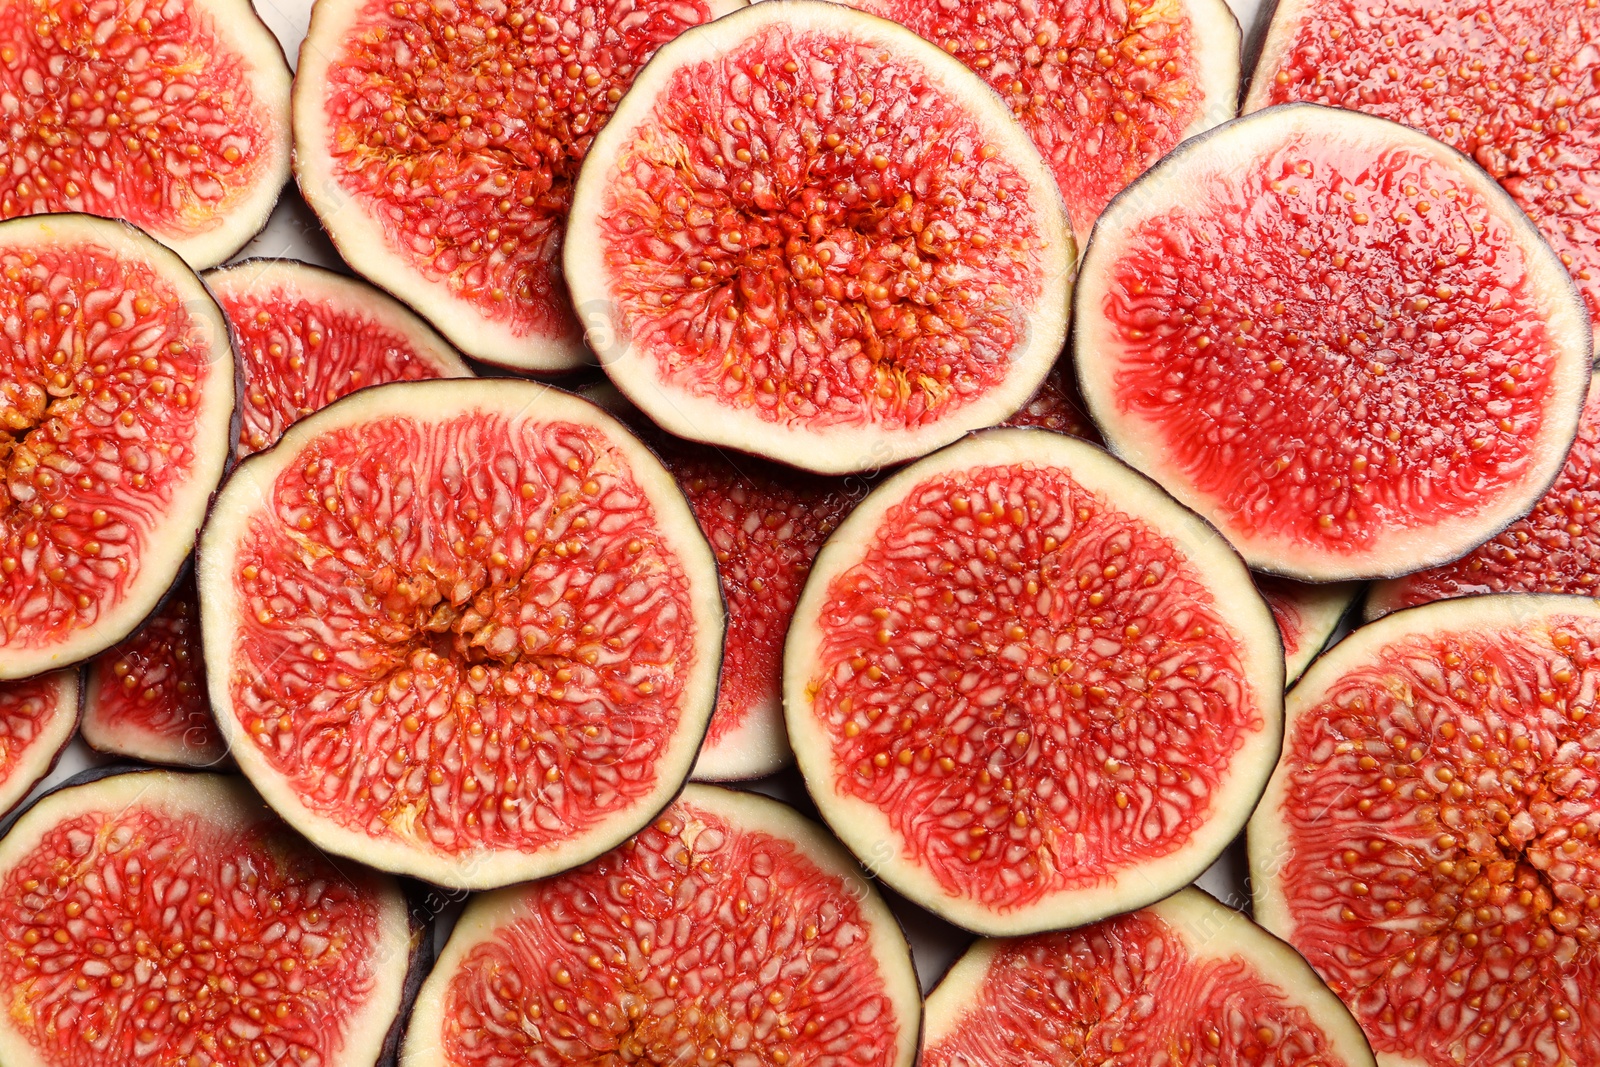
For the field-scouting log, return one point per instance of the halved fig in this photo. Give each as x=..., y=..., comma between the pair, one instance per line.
x=859, y=258
x=461, y=629
x=1308, y=616
x=1057, y=405
x=1183, y=981
x=37, y=718
x=1029, y=688
x=1336, y=339
x=438, y=140
x=116, y=396
x=308, y=336
x=174, y=117
x=146, y=697
x=1510, y=84
x=731, y=931
x=1429, y=838
x=1104, y=88
x=164, y=917
x=1555, y=548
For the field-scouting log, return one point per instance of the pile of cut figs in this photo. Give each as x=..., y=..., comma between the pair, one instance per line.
x=799, y=534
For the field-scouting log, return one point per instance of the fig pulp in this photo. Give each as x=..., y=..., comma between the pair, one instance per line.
x=37, y=717
x=1308, y=616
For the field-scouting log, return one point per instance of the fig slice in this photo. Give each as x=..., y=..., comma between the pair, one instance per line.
x=1555, y=548
x=1334, y=338
x=1308, y=616
x=465, y=630
x=169, y=917
x=1428, y=839
x=862, y=257
x=173, y=117
x=1185, y=981
x=1509, y=84
x=1058, y=406
x=1104, y=88
x=116, y=397
x=731, y=931
x=37, y=718
x=1029, y=688
x=450, y=188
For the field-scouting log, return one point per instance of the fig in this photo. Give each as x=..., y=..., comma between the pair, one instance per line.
x=1308, y=616
x=1336, y=339
x=1427, y=839
x=859, y=259
x=174, y=117
x=1057, y=405
x=37, y=718
x=116, y=397
x=169, y=917
x=1183, y=981
x=730, y=931
x=1028, y=688
x=1555, y=548
x=1104, y=88
x=465, y=630
x=1510, y=84
x=438, y=140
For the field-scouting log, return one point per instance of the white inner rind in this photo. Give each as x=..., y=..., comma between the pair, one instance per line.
x=220, y=800
x=1218, y=159
x=245, y=497
x=486, y=915
x=701, y=418
x=757, y=747
x=35, y=760
x=865, y=827
x=165, y=544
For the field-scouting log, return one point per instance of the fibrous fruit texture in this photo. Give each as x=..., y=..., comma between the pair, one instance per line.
x=1428, y=838
x=1184, y=983
x=856, y=259
x=166, y=918
x=37, y=717
x=465, y=630
x=116, y=391
x=172, y=116
x=1029, y=688
x=1308, y=616
x=1336, y=339
x=1510, y=83
x=730, y=931
x=438, y=141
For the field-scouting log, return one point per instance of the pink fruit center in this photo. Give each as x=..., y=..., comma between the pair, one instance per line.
x=102, y=374
x=1128, y=991
x=461, y=125
x=462, y=653
x=696, y=942
x=1369, y=351
x=138, y=936
x=813, y=229
x=26, y=710
x=1511, y=84
x=1284, y=598
x=1104, y=88
x=1440, y=866
x=128, y=110
x=301, y=351
x=1033, y=686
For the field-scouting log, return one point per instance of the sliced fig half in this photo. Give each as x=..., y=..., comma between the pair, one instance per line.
x=173, y=116
x=1428, y=840
x=1057, y=405
x=159, y=917
x=1336, y=339
x=1308, y=616
x=1104, y=87
x=438, y=143
x=466, y=630
x=1510, y=84
x=857, y=259
x=730, y=931
x=1183, y=981
x=1029, y=688
x=116, y=398
x=308, y=336
x=1555, y=548
x=37, y=718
